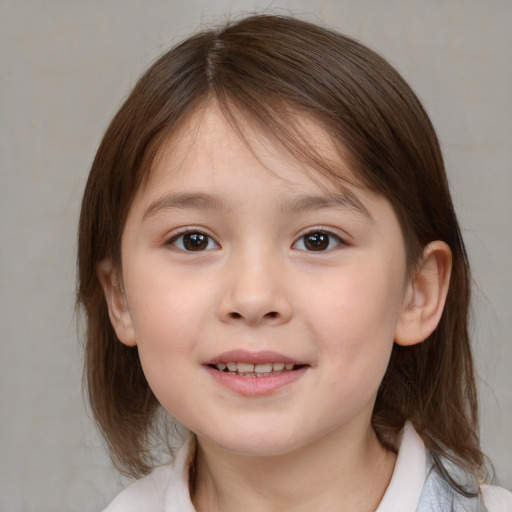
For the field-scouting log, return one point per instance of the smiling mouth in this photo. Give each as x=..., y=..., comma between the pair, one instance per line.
x=254, y=370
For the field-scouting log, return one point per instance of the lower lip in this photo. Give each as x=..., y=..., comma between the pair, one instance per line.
x=255, y=386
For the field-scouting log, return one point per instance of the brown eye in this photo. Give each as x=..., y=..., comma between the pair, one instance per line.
x=193, y=242
x=317, y=241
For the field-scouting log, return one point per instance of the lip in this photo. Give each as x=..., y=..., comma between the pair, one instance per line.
x=255, y=386
x=245, y=356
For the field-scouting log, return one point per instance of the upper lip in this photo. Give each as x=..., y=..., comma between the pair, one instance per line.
x=246, y=356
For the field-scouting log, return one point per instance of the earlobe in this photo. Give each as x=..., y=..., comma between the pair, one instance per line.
x=118, y=311
x=426, y=295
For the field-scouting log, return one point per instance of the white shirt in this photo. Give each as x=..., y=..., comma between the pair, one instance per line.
x=166, y=488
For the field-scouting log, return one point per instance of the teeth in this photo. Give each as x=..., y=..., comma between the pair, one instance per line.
x=245, y=367
x=261, y=369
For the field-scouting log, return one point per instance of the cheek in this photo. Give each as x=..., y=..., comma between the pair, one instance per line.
x=354, y=321
x=166, y=332
x=163, y=304
x=166, y=315
x=361, y=305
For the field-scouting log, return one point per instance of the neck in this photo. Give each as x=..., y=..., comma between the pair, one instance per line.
x=315, y=477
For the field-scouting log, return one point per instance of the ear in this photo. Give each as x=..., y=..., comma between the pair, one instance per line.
x=118, y=311
x=425, y=296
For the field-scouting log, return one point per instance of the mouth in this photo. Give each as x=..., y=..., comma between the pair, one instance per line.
x=255, y=373
x=242, y=369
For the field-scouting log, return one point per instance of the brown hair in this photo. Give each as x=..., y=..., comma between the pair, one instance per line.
x=268, y=69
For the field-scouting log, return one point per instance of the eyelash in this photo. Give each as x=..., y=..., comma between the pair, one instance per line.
x=176, y=237
x=324, y=236
x=338, y=240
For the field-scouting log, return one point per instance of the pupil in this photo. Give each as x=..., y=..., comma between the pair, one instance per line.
x=316, y=241
x=195, y=241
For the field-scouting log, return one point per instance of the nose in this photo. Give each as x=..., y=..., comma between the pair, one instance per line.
x=255, y=292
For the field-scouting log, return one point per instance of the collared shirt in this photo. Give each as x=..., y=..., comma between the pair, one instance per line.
x=414, y=487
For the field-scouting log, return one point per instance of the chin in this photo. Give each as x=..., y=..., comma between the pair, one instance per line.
x=250, y=442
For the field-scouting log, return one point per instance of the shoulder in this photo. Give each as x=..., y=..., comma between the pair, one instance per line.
x=148, y=493
x=437, y=492
x=416, y=484
x=164, y=490
x=496, y=499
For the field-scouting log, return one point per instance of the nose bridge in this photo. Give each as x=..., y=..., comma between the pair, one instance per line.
x=255, y=291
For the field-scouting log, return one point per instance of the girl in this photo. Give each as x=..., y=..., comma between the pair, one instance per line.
x=268, y=252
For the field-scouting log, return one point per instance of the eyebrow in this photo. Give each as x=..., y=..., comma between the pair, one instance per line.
x=183, y=201
x=344, y=199
x=201, y=201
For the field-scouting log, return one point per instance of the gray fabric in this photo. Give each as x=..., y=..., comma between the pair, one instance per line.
x=438, y=496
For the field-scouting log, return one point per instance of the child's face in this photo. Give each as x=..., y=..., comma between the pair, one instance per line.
x=226, y=262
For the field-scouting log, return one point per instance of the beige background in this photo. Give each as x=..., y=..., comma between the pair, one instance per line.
x=65, y=67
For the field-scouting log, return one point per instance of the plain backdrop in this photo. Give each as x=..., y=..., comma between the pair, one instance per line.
x=65, y=68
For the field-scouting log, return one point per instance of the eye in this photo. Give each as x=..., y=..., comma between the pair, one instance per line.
x=193, y=241
x=318, y=241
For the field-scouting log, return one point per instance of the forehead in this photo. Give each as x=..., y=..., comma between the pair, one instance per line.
x=210, y=140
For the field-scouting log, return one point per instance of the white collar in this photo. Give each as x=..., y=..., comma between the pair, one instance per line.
x=177, y=496
x=403, y=492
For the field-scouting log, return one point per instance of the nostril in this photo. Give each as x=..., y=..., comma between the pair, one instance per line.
x=271, y=314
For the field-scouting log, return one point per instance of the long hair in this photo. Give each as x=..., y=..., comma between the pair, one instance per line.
x=269, y=69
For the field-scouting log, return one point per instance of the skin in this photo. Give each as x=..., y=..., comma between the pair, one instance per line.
x=257, y=286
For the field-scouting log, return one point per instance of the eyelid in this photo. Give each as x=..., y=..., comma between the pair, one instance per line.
x=322, y=229
x=175, y=235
